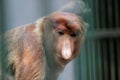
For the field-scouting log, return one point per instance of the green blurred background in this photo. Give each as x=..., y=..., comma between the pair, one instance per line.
x=100, y=55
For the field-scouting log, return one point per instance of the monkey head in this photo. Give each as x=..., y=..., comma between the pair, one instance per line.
x=63, y=35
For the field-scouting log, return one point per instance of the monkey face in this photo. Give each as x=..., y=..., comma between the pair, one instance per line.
x=68, y=33
x=63, y=36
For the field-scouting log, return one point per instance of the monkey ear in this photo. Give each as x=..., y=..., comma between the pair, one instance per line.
x=85, y=27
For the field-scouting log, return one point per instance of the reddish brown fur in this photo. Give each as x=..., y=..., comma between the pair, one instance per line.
x=28, y=57
x=32, y=57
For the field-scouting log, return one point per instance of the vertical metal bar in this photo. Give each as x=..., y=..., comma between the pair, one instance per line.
x=110, y=14
x=97, y=15
x=103, y=13
x=102, y=59
x=90, y=60
x=94, y=60
x=100, y=66
x=118, y=57
x=105, y=60
x=87, y=61
x=77, y=69
x=100, y=18
x=117, y=13
x=116, y=60
x=112, y=59
x=90, y=16
x=83, y=64
x=115, y=57
x=113, y=14
x=80, y=72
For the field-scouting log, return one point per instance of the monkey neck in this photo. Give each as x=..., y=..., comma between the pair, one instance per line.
x=51, y=74
x=52, y=67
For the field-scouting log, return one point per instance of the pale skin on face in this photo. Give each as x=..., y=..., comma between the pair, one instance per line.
x=66, y=50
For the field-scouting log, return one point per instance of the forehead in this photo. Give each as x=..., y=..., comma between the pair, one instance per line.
x=66, y=20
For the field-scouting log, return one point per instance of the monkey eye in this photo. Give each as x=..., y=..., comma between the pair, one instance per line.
x=60, y=33
x=73, y=34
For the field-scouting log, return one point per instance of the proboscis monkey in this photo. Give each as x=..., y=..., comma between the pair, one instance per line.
x=40, y=51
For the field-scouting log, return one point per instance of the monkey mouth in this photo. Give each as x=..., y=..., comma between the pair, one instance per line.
x=63, y=60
